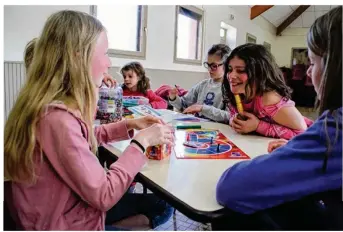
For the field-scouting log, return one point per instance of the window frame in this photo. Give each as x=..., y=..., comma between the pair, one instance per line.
x=250, y=36
x=200, y=12
x=268, y=46
x=120, y=53
x=225, y=35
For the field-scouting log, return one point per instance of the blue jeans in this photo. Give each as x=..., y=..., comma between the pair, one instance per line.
x=156, y=210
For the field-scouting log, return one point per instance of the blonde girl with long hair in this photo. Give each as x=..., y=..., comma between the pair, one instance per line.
x=54, y=179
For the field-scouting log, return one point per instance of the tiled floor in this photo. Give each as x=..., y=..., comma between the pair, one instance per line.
x=178, y=221
x=181, y=222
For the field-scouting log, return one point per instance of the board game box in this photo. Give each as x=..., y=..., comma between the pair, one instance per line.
x=158, y=152
x=144, y=110
x=206, y=144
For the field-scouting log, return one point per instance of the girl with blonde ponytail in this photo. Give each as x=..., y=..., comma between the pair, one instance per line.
x=54, y=178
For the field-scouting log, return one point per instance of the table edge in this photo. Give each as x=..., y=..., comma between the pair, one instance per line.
x=189, y=211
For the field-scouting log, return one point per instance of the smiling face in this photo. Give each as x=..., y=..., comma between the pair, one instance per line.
x=237, y=75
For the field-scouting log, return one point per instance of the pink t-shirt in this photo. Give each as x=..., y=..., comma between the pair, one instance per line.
x=73, y=191
x=267, y=126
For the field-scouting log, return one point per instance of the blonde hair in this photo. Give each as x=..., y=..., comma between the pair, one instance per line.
x=28, y=53
x=59, y=71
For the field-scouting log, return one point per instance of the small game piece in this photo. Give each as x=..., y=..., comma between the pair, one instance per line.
x=211, y=140
x=240, y=108
x=218, y=147
x=187, y=137
x=185, y=127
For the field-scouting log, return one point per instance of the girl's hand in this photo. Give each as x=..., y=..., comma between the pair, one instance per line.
x=172, y=94
x=276, y=144
x=193, y=109
x=109, y=81
x=244, y=127
x=156, y=134
x=143, y=122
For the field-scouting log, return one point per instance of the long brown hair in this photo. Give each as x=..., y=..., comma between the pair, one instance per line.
x=263, y=73
x=325, y=40
x=59, y=72
x=144, y=82
x=28, y=53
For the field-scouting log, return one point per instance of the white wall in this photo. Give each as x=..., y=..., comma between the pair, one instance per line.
x=22, y=23
x=291, y=38
x=262, y=29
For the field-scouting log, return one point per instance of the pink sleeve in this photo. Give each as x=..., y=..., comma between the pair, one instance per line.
x=60, y=137
x=112, y=132
x=233, y=112
x=155, y=101
x=273, y=129
x=276, y=131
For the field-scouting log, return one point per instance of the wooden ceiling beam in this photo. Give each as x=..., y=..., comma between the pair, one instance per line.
x=258, y=9
x=301, y=9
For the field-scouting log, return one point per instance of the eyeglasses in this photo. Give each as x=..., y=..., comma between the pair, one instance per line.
x=212, y=66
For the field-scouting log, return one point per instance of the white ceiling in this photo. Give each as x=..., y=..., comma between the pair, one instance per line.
x=277, y=14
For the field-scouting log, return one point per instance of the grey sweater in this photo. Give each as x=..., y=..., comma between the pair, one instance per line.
x=207, y=93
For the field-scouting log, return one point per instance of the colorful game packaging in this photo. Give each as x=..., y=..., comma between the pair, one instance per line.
x=158, y=152
x=110, y=105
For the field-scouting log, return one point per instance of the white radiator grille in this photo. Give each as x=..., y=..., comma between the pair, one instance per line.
x=14, y=75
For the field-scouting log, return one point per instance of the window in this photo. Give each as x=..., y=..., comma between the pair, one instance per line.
x=126, y=28
x=267, y=46
x=188, y=35
x=228, y=35
x=222, y=34
x=251, y=38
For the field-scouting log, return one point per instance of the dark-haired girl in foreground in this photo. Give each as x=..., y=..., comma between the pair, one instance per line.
x=311, y=162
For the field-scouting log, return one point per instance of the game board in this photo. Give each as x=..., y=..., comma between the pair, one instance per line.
x=203, y=144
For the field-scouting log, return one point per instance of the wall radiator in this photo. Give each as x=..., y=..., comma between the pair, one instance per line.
x=14, y=75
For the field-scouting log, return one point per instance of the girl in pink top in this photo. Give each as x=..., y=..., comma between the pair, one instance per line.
x=54, y=180
x=136, y=83
x=252, y=73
